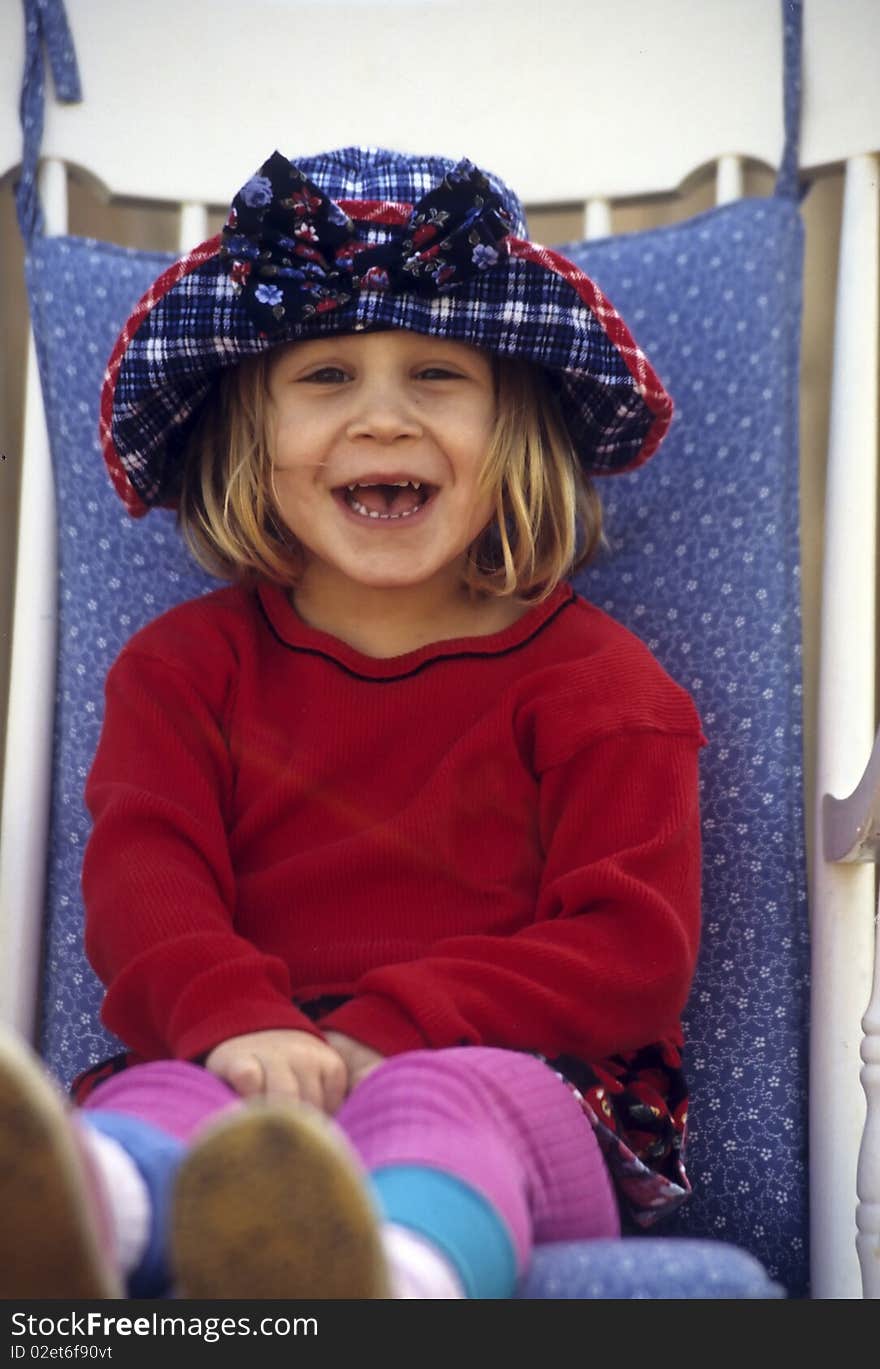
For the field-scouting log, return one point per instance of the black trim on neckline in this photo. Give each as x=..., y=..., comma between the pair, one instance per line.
x=423, y=665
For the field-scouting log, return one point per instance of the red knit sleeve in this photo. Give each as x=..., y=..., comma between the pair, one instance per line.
x=157, y=876
x=607, y=963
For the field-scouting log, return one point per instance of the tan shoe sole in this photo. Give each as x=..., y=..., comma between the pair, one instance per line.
x=270, y=1203
x=51, y=1242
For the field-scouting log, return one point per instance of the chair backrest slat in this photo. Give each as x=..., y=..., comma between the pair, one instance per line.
x=53, y=195
x=27, y=776
x=192, y=226
x=24, y=817
x=842, y=897
x=597, y=220
x=729, y=179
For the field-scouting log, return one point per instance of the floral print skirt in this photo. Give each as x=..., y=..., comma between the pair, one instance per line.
x=637, y=1105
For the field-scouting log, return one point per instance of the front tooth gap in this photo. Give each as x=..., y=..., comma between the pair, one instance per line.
x=371, y=513
x=399, y=484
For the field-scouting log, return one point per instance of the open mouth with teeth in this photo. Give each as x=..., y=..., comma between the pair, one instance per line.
x=389, y=501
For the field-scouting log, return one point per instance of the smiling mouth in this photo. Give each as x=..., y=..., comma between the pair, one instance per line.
x=387, y=500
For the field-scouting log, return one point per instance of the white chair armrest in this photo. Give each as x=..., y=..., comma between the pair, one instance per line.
x=851, y=826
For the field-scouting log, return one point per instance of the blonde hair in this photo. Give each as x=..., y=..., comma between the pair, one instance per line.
x=547, y=521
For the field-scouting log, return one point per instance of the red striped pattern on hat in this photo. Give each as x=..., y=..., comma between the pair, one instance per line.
x=121, y=483
x=391, y=212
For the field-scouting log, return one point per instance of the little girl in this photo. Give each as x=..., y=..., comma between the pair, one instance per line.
x=394, y=875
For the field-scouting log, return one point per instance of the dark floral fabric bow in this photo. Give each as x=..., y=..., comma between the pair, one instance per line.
x=293, y=253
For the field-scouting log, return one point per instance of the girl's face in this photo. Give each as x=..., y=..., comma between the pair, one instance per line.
x=378, y=442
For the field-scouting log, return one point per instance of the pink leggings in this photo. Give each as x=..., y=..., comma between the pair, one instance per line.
x=499, y=1121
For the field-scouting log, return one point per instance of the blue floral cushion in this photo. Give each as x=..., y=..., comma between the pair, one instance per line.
x=702, y=563
x=646, y=1267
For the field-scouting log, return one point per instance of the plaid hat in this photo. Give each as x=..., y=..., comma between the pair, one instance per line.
x=358, y=239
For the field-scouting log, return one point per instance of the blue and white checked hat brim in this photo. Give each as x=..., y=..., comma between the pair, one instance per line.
x=531, y=303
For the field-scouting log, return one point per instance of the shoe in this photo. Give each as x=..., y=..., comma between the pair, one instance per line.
x=270, y=1203
x=55, y=1233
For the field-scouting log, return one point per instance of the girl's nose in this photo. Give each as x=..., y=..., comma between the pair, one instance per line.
x=383, y=411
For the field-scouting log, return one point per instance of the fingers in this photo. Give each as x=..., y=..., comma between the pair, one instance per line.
x=360, y=1060
x=300, y=1082
x=283, y=1065
x=244, y=1073
x=323, y=1086
x=335, y=1085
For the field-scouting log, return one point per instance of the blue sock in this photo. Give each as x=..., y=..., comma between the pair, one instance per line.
x=157, y=1157
x=454, y=1217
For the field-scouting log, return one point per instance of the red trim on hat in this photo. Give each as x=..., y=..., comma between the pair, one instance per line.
x=391, y=212
x=648, y=383
x=118, y=474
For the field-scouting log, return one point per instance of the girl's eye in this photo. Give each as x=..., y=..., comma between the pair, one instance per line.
x=437, y=373
x=327, y=375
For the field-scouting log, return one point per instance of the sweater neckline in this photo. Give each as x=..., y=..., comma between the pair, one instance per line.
x=293, y=632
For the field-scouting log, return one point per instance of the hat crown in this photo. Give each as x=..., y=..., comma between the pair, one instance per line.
x=377, y=173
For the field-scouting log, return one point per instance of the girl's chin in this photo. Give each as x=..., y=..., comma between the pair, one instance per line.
x=368, y=574
x=392, y=580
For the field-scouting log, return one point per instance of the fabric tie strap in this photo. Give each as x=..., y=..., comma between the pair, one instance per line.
x=292, y=252
x=789, y=184
x=47, y=35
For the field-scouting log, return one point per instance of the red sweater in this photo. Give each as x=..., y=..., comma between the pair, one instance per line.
x=491, y=841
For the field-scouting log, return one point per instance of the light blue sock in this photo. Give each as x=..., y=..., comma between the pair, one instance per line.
x=455, y=1218
x=157, y=1157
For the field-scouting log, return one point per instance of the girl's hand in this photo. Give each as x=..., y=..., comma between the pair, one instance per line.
x=359, y=1059
x=282, y=1064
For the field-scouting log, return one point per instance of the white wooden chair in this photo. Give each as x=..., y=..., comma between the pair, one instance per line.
x=575, y=101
